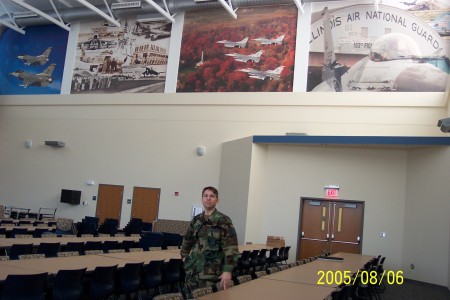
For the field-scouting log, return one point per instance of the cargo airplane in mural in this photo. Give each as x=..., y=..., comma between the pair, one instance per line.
x=31, y=79
x=255, y=57
x=394, y=63
x=263, y=75
x=36, y=60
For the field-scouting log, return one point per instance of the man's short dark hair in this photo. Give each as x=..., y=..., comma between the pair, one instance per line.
x=212, y=189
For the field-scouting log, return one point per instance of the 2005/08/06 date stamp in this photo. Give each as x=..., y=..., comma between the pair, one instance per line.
x=365, y=277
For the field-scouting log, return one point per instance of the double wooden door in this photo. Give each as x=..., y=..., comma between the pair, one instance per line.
x=109, y=202
x=330, y=226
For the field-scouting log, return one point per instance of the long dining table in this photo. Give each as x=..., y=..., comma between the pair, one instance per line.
x=90, y=262
x=300, y=282
x=6, y=243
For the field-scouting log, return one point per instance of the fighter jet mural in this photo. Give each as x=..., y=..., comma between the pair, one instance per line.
x=265, y=41
x=230, y=44
x=263, y=75
x=255, y=57
x=31, y=79
x=36, y=60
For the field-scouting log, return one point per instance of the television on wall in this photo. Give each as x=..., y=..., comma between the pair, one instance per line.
x=70, y=196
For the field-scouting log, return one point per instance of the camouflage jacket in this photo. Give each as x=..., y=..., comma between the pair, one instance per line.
x=210, y=246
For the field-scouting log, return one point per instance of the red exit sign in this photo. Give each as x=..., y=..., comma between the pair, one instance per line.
x=332, y=191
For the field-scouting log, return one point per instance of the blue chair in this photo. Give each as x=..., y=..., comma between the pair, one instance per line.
x=68, y=284
x=26, y=287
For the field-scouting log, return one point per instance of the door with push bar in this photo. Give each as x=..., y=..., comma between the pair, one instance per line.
x=330, y=226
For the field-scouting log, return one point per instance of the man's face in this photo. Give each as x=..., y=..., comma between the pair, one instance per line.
x=209, y=199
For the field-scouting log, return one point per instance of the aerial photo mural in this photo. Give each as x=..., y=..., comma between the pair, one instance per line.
x=255, y=53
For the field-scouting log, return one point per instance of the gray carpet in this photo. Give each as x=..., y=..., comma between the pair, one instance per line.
x=415, y=290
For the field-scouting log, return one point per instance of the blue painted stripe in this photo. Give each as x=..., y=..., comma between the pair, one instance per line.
x=353, y=140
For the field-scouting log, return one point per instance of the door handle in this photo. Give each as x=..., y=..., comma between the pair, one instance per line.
x=303, y=234
x=328, y=236
x=332, y=237
x=358, y=239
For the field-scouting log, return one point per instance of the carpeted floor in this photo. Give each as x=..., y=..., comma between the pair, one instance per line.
x=415, y=290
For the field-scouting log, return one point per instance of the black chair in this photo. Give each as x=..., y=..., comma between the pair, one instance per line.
x=130, y=280
x=286, y=254
x=16, y=230
x=23, y=222
x=171, y=239
x=153, y=276
x=244, y=262
x=74, y=246
x=24, y=287
x=19, y=249
x=92, y=245
x=68, y=284
x=273, y=257
x=37, y=233
x=49, y=249
x=109, y=226
x=109, y=245
x=253, y=258
x=262, y=259
x=151, y=239
x=86, y=228
x=102, y=282
x=133, y=227
x=280, y=255
x=127, y=245
x=173, y=274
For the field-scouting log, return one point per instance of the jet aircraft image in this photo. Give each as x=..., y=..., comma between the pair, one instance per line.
x=276, y=41
x=40, y=79
x=393, y=64
x=96, y=43
x=230, y=44
x=245, y=58
x=36, y=60
x=262, y=75
x=151, y=31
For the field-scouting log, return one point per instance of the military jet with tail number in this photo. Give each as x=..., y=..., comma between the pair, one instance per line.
x=36, y=60
x=230, y=44
x=41, y=79
x=255, y=57
x=263, y=75
x=265, y=41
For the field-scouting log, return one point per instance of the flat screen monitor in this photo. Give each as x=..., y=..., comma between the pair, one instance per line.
x=70, y=196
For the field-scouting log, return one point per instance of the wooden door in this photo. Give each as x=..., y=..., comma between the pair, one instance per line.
x=348, y=222
x=109, y=202
x=330, y=225
x=145, y=203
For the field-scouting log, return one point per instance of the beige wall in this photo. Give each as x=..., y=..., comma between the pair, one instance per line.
x=150, y=140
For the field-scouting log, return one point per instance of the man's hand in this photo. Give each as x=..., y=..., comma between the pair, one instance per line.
x=225, y=280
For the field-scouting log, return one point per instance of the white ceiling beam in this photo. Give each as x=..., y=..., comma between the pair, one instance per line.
x=300, y=6
x=56, y=11
x=100, y=13
x=41, y=13
x=13, y=24
x=13, y=27
x=229, y=8
x=163, y=12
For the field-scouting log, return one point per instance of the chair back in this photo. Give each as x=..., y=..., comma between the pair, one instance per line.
x=130, y=277
x=153, y=274
x=102, y=282
x=92, y=245
x=28, y=287
x=68, y=284
x=48, y=249
x=19, y=249
x=74, y=246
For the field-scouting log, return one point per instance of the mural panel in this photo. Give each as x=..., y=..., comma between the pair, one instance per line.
x=357, y=48
x=251, y=54
x=32, y=63
x=131, y=58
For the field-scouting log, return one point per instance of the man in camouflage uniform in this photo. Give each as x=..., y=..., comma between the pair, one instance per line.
x=210, y=247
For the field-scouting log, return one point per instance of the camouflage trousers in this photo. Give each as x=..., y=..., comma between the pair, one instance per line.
x=196, y=280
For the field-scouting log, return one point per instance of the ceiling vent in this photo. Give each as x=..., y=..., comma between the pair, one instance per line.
x=125, y=5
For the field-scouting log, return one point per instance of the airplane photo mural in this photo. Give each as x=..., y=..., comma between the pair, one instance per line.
x=32, y=63
x=127, y=59
x=401, y=48
x=254, y=53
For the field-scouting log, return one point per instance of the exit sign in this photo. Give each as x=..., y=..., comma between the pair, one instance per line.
x=332, y=191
